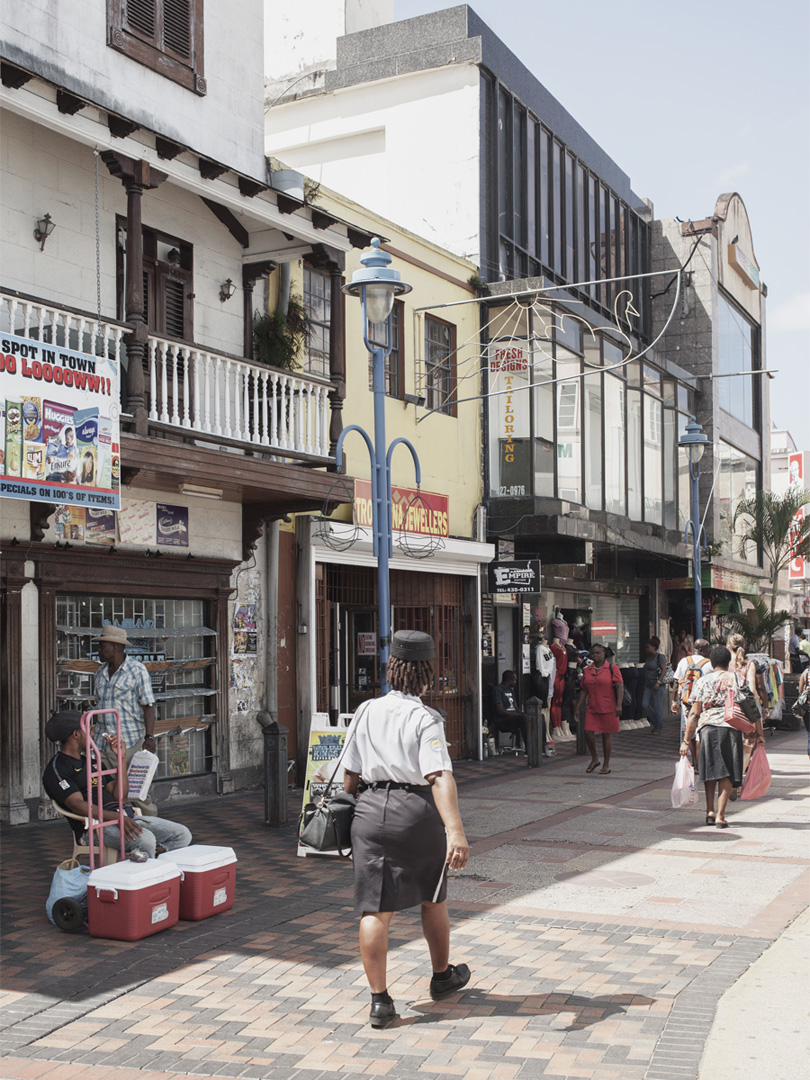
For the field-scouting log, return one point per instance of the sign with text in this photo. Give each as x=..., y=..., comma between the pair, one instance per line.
x=796, y=479
x=422, y=512
x=509, y=379
x=325, y=747
x=515, y=577
x=59, y=425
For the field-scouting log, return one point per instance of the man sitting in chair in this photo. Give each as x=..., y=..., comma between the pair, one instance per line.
x=65, y=781
x=505, y=714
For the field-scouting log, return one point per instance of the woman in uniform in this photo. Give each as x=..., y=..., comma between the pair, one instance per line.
x=407, y=827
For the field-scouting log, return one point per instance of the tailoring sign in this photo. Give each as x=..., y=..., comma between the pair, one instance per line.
x=515, y=577
x=510, y=431
x=423, y=512
x=59, y=439
x=796, y=479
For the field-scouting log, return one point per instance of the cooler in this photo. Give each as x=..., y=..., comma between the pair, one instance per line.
x=128, y=901
x=209, y=879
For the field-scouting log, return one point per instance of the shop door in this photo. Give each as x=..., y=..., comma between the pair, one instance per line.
x=359, y=646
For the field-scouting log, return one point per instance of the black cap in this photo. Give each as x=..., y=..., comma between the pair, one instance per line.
x=412, y=645
x=62, y=725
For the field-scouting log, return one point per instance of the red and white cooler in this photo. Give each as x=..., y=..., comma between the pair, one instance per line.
x=128, y=901
x=208, y=884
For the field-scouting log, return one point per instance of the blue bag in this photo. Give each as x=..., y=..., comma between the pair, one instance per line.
x=66, y=906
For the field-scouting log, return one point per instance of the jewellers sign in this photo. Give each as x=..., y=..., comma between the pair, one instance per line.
x=422, y=512
x=515, y=577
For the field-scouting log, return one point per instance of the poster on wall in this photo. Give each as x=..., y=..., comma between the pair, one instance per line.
x=69, y=522
x=99, y=526
x=59, y=425
x=325, y=747
x=136, y=522
x=796, y=480
x=171, y=525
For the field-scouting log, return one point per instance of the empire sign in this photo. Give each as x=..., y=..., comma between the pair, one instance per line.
x=515, y=577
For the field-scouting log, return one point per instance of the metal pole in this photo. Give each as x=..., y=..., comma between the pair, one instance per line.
x=694, y=470
x=382, y=511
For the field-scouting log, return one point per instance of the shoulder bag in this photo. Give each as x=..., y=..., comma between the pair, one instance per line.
x=326, y=825
x=739, y=702
x=627, y=700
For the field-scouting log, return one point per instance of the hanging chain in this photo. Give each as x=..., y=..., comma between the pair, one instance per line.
x=99, y=338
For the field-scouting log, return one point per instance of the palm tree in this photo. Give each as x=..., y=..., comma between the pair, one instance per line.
x=770, y=525
x=757, y=625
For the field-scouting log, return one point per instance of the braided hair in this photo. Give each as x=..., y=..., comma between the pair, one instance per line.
x=412, y=677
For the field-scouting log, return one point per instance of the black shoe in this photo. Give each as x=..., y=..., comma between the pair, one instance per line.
x=382, y=1014
x=458, y=977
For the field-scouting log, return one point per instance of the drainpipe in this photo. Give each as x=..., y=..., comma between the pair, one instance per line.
x=271, y=535
x=284, y=278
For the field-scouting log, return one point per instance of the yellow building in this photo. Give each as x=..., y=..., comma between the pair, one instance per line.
x=433, y=384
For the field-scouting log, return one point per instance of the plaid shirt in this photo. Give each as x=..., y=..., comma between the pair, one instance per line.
x=127, y=691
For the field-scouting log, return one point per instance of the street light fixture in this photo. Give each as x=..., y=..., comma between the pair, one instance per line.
x=377, y=284
x=695, y=440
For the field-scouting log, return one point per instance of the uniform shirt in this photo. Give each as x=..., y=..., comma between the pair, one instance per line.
x=396, y=738
x=129, y=689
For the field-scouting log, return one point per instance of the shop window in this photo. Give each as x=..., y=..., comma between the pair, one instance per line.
x=179, y=651
x=318, y=306
x=738, y=477
x=165, y=35
x=395, y=361
x=440, y=365
x=168, y=282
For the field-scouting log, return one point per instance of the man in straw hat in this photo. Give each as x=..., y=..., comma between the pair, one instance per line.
x=123, y=683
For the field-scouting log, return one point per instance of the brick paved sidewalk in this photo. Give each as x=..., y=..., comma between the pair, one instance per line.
x=602, y=928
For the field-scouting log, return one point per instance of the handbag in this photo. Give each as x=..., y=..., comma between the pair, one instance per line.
x=683, y=786
x=733, y=712
x=802, y=702
x=326, y=825
x=758, y=777
x=627, y=699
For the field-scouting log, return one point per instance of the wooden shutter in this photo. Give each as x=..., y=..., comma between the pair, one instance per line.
x=177, y=27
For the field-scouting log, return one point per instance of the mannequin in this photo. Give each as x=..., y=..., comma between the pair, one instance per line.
x=561, y=667
x=569, y=694
x=546, y=667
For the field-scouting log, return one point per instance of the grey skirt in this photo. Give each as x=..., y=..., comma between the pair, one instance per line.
x=721, y=754
x=399, y=850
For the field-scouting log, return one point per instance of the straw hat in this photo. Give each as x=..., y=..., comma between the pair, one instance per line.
x=116, y=634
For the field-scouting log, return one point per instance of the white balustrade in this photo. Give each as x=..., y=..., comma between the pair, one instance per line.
x=58, y=328
x=219, y=396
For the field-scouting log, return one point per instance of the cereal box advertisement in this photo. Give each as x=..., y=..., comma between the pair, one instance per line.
x=59, y=425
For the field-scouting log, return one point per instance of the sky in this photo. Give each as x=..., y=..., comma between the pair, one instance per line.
x=693, y=99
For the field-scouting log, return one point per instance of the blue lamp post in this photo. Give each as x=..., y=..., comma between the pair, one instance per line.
x=694, y=439
x=377, y=284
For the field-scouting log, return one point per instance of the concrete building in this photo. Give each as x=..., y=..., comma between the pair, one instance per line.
x=140, y=221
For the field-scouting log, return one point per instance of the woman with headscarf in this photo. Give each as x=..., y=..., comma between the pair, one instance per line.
x=407, y=828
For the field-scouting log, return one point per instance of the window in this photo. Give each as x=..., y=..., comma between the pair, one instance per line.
x=165, y=35
x=569, y=427
x=440, y=365
x=168, y=283
x=738, y=477
x=318, y=305
x=394, y=362
x=738, y=350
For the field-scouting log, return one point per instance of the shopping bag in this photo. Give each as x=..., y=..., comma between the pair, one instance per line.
x=66, y=906
x=758, y=778
x=683, y=786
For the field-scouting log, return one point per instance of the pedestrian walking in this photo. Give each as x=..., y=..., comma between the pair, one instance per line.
x=601, y=695
x=407, y=828
x=748, y=672
x=652, y=698
x=687, y=673
x=720, y=759
x=803, y=681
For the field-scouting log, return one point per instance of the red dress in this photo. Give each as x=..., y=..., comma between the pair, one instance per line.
x=600, y=710
x=561, y=662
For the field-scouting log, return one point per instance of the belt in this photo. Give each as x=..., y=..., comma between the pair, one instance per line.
x=392, y=785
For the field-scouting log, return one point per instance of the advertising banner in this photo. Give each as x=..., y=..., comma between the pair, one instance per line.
x=796, y=479
x=422, y=512
x=59, y=425
x=510, y=443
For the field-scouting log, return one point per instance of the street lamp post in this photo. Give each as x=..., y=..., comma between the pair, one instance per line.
x=694, y=439
x=377, y=284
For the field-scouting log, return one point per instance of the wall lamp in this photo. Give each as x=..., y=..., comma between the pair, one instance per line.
x=201, y=492
x=226, y=290
x=414, y=399
x=43, y=230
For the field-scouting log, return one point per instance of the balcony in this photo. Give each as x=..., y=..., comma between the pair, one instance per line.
x=202, y=395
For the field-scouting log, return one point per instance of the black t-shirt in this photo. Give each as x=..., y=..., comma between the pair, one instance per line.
x=502, y=696
x=65, y=776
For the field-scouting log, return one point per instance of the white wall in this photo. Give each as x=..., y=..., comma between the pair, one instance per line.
x=46, y=172
x=407, y=148
x=65, y=42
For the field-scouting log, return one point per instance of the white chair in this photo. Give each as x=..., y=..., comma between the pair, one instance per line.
x=111, y=854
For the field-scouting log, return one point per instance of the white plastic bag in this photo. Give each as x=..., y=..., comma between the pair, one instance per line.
x=683, y=786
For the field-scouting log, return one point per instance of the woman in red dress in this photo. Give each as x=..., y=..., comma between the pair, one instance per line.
x=603, y=690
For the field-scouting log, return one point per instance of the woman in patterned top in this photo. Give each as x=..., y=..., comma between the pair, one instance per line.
x=720, y=759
